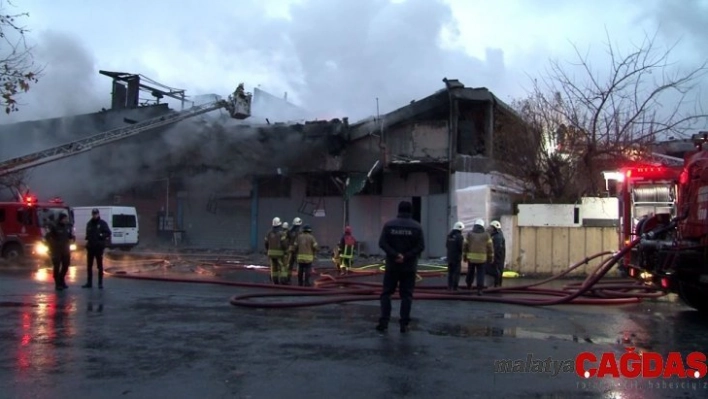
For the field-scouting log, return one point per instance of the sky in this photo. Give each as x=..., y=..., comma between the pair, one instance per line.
x=333, y=57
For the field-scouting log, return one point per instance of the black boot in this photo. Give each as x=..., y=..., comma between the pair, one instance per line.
x=87, y=285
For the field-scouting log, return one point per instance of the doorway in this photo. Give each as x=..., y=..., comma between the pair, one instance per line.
x=417, y=208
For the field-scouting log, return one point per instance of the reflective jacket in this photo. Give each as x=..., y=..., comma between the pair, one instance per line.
x=346, y=246
x=276, y=243
x=305, y=247
x=478, y=246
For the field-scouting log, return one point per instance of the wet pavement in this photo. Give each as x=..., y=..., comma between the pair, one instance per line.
x=145, y=339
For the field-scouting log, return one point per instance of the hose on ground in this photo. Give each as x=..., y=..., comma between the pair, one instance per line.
x=330, y=289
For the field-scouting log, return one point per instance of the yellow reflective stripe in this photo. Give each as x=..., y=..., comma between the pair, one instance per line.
x=275, y=252
x=476, y=256
x=305, y=258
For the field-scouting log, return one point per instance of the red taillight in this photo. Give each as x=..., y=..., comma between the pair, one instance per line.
x=665, y=283
x=631, y=272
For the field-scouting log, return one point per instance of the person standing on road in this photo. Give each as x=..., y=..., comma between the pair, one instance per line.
x=305, y=247
x=454, y=244
x=292, y=234
x=402, y=241
x=276, y=244
x=59, y=239
x=346, y=250
x=499, y=244
x=479, y=252
x=98, y=236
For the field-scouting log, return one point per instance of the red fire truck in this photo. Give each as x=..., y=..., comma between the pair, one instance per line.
x=24, y=224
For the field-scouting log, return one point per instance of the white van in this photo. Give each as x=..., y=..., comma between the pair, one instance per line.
x=122, y=220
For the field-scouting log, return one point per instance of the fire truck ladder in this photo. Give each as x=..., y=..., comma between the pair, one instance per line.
x=238, y=104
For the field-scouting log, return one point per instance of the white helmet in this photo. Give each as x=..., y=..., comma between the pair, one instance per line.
x=479, y=222
x=459, y=226
x=495, y=224
x=297, y=222
x=285, y=225
x=277, y=222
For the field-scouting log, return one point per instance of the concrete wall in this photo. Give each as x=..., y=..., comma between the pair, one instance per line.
x=551, y=250
x=368, y=214
x=564, y=215
x=419, y=140
x=413, y=185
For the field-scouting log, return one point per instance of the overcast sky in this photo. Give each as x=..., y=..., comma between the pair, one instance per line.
x=334, y=57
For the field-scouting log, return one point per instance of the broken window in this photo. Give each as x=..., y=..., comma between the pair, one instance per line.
x=321, y=186
x=274, y=187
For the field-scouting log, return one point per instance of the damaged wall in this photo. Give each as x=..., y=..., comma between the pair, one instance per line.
x=426, y=141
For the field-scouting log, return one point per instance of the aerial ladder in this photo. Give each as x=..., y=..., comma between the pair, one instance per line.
x=238, y=104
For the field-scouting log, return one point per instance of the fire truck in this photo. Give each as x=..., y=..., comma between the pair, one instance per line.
x=665, y=205
x=23, y=222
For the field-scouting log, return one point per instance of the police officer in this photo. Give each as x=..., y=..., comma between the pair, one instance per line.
x=305, y=247
x=454, y=244
x=97, y=236
x=276, y=245
x=59, y=239
x=499, y=244
x=402, y=242
x=479, y=252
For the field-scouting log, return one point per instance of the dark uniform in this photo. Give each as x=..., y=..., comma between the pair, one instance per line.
x=454, y=244
x=292, y=237
x=59, y=239
x=97, y=237
x=499, y=244
x=402, y=241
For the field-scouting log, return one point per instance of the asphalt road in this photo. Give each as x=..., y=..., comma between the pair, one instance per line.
x=142, y=339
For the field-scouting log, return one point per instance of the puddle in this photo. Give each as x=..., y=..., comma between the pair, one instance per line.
x=464, y=331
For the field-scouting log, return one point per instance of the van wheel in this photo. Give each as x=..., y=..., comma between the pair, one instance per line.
x=12, y=251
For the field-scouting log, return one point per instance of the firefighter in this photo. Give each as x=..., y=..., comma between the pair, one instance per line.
x=59, y=239
x=499, y=244
x=292, y=235
x=97, y=236
x=402, y=241
x=276, y=245
x=346, y=250
x=454, y=244
x=305, y=247
x=479, y=252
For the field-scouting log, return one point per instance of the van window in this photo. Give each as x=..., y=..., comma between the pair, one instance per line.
x=124, y=221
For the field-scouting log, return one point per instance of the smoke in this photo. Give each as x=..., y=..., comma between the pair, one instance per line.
x=68, y=85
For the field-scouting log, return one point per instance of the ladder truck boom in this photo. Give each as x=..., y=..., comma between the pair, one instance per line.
x=237, y=104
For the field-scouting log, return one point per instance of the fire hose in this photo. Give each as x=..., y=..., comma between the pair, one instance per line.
x=329, y=289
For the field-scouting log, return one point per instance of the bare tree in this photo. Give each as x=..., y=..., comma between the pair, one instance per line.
x=17, y=67
x=588, y=123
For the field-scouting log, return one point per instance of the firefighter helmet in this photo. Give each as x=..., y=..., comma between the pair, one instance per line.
x=495, y=224
x=479, y=222
x=306, y=228
x=459, y=226
x=297, y=222
x=277, y=222
x=285, y=225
